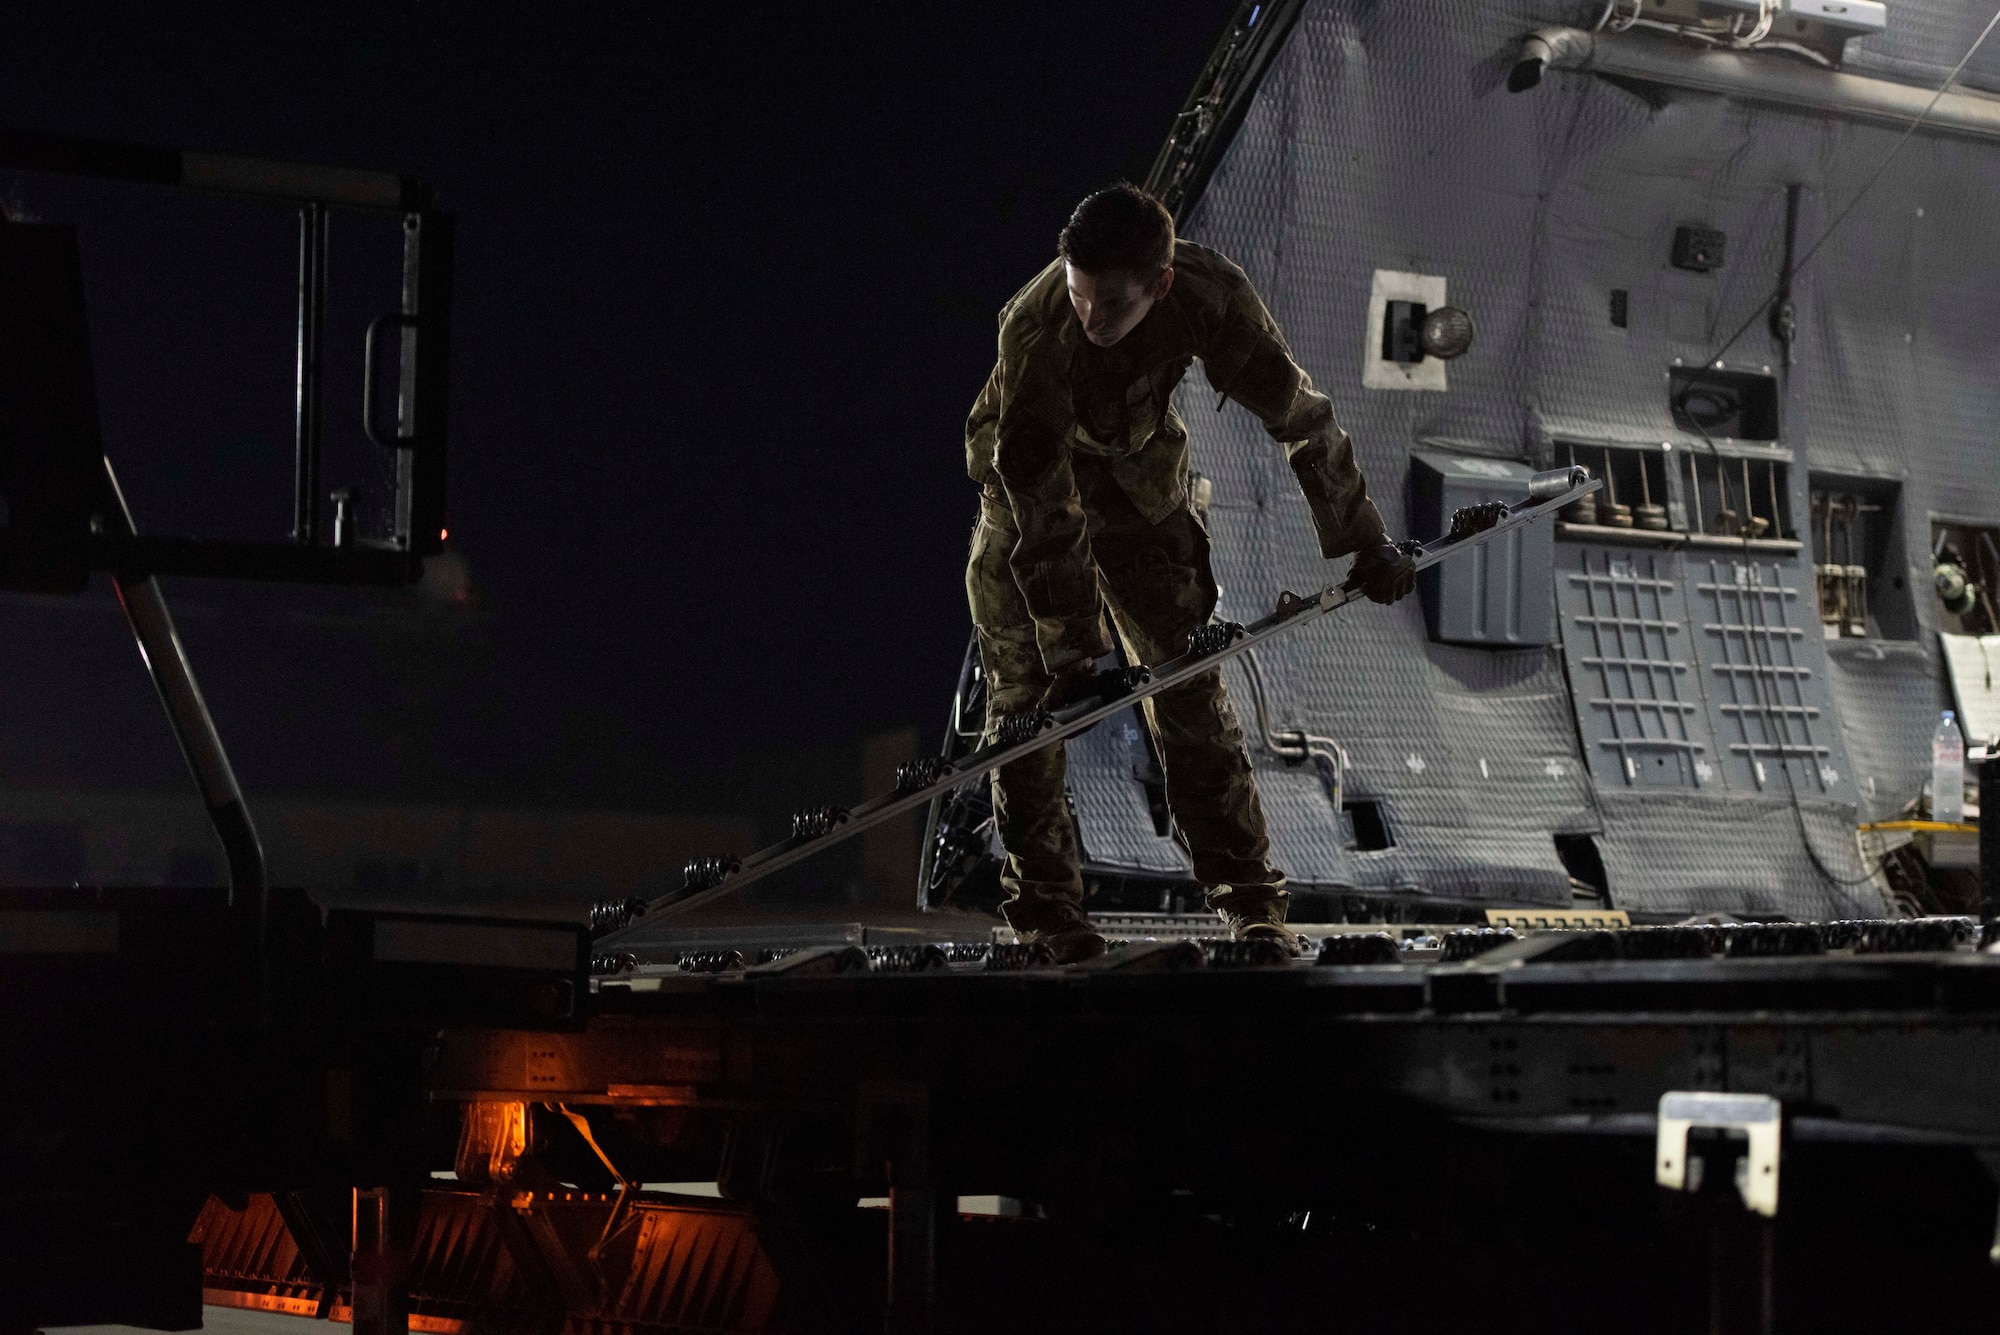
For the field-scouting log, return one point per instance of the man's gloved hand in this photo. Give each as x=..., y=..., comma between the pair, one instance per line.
x=1383, y=574
x=1076, y=682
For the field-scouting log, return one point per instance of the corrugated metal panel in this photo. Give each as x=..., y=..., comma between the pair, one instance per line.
x=703, y=1270
x=1764, y=671
x=251, y=1250
x=1496, y=595
x=459, y=1265
x=685, y=1268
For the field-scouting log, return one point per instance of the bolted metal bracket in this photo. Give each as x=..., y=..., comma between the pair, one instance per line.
x=493, y=1139
x=1756, y=1116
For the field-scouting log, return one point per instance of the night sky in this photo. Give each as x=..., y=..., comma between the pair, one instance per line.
x=726, y=287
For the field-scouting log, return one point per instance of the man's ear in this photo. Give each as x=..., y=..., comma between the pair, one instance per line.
x=1163, y=284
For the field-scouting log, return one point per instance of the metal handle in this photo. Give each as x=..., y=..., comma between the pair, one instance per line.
x=368, y=359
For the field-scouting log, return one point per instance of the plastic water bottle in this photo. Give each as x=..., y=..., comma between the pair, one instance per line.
x=1947, y=771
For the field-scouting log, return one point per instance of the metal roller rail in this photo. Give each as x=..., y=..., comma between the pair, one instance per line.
x=710, y=879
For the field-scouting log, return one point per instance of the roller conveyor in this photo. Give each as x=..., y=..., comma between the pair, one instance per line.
x=470, y=1081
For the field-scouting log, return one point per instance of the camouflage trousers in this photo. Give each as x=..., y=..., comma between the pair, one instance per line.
x=1155, y=581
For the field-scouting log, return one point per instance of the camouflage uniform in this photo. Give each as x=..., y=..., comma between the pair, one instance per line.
x=1083, y=468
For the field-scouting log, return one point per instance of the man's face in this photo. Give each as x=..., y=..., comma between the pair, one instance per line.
x=1110, y=305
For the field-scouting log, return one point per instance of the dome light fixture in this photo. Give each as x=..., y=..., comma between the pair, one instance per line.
x=1447, y=333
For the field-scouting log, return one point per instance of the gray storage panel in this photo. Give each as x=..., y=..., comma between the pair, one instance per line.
x=1763, y=660
x=1631, y=669
x=1496, y=595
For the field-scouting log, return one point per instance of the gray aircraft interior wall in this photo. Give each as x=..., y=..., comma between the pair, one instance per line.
x=1383, y=139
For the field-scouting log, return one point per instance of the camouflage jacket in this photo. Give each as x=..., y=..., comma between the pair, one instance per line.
x=1054, y=394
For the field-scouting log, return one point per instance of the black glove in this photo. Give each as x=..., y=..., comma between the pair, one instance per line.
x=1383, y=574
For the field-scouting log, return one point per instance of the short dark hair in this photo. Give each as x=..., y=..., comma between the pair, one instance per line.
x=1119, y=227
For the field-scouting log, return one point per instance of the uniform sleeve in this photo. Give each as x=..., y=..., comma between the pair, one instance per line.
x=982, y=430
x=1247, y=359
x=1052, y=562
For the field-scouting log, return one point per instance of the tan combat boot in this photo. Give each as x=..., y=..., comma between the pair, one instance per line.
x=1074, y=945
x=1072, y=942
x=1263, y=922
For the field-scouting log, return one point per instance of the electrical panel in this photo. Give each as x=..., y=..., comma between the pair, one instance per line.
x=1496, y=596
x=1699, y=249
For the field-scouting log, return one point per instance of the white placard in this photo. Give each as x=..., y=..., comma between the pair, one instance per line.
x=1377, y=372
x=1973, y=663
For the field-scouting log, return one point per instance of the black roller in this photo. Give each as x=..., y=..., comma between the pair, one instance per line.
x=1023, y=727
x=1474, y=941
x=1116, y=683
x=704, y=873
x=1362, y=948
x=1902, y=936
x=1256, y=953
x=817, y=822
x=907, y=959
x=920, y=774
x=1213, y=638
x=711, y=961
x=1772, y=938
x=610, y=915
x=1025, y=955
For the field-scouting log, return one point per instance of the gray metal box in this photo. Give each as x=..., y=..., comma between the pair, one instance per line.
x=1499, y=595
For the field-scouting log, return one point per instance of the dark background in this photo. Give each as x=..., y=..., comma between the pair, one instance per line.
x=726, y=287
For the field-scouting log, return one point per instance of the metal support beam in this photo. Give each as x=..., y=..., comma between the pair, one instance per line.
x=160, y=647
x=423, y=377
x=381, y=1266
x=1751, y=76
x=217, y=173
x=308, y=417
x=911, y=1306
